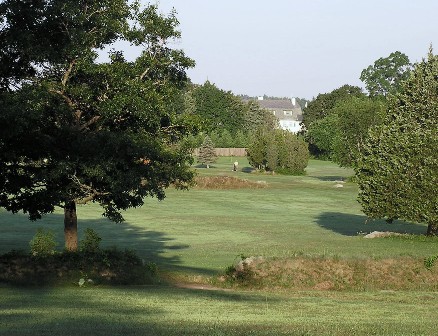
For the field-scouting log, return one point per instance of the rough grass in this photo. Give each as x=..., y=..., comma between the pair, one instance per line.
x=227, y=182
x=328, y=273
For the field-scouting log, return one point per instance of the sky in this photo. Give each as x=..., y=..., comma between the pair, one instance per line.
x=297, y=48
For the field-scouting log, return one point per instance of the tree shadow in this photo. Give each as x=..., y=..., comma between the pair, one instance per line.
x=248, y=170
x=352, y=225
x=16, y=231
x=115, y=311
x=333, y=178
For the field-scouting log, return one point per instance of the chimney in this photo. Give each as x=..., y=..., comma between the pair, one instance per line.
x=260, y=98
x=294, y=101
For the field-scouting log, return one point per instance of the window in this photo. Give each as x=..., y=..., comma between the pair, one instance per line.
x=287, y=113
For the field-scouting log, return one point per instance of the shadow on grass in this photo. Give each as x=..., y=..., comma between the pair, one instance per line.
x=333, y=178
x=16, y=231
x=117, y=311
x=352, y=225
x=248, y=170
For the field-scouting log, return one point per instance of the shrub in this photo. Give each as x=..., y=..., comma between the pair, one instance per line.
x=91, y=241
x=43, y=243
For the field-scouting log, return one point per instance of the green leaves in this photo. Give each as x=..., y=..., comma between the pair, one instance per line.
x=398, y=172
x=87, y=131
x=387, y=74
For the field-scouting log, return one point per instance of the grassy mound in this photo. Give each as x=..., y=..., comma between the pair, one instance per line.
x=227, y=182
x=323, y=273
x=111, y=267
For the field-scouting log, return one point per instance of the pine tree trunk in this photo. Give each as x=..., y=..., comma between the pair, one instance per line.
x=70, y=226
x=432, y=229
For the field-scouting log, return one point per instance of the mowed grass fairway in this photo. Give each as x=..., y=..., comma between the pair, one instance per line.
x=194, y=235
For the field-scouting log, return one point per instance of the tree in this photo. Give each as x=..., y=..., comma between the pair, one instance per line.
x=218, y=109
x=77, y=131
x=398, y=171
x=386, y=75
x=352, y=119
x=278, y=150
x=207, y=152
x=320, y=108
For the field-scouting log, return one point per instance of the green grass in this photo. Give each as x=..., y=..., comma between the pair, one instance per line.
x=173, y=311
x=199, y=233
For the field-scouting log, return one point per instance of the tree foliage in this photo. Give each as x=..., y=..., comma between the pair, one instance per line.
x=320, y=108
x=75, y=130
x=386, y=74
x=219, y=110
x=352, y=119
x=398, y=171
x=278, y=151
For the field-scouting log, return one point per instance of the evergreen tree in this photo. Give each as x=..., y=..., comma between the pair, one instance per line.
x=207, y=152
x=398, y=172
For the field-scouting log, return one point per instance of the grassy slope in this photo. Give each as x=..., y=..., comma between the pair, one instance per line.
x=201, y=232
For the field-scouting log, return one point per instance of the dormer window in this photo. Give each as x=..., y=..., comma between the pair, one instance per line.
x=287, y=113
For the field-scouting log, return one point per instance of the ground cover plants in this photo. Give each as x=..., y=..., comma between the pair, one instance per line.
x=193, y=236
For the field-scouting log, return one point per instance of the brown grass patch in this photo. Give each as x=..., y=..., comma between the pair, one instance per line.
x=304, y=273
x=226, y=182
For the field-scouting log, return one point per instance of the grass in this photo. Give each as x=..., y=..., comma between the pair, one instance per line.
x=175, y=311
x=196, y=234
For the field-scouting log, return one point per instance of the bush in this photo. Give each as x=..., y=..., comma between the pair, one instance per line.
x=91, y=241
x=43, y=243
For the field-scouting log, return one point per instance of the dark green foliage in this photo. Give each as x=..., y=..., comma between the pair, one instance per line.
x=398, y=172
x=75, y=130
x=207, y=152
x=387, y=74
x=278, y=151
x=91, y=241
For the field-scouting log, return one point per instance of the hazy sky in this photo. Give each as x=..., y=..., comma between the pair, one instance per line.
x=298, y=48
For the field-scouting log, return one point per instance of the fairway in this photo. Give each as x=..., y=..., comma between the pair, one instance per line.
x=203, y=231
x=194, y=235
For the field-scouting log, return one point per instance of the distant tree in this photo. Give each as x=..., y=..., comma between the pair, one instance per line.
x=218, y=109
x=257, y=117
x=351, y=121
x=321, y=135
x=386, y=74
x=398, y=170
x=315, y=130
x=75, y=130
x=278, y=150
x=322, y=105
x=207, y=152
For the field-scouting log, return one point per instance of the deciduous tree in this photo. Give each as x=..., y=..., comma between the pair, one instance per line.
x=77, y=131
x=386, y=74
